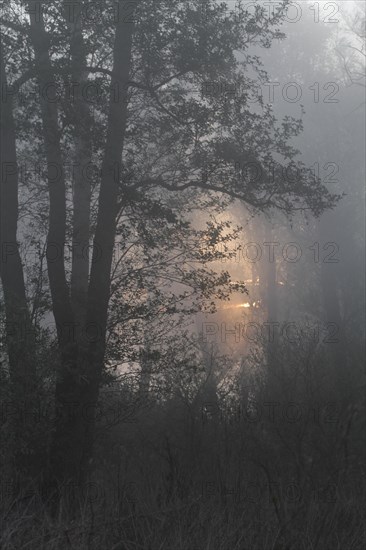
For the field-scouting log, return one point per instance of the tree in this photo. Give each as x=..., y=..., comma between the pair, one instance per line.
x=149, y=62
x=19, y=332
x=351, y=46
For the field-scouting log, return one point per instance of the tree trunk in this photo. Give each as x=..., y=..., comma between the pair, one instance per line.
x=20, y=335
x=56, y=237
x=83, y=159
x=72, y=449
x=67, y=366
x=272, y=313
x=145, y=372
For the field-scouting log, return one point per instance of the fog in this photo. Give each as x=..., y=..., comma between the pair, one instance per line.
x=182, y=275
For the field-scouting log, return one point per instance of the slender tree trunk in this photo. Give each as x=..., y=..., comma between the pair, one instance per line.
x=56, y=237
x=271, y=277
x=81, y=120
x=66, y=455
x=146, y=363
x=20, y=336
x=272, y=313
x=72, y=450
x=146, y=368
x=81, y=367
x=208, y=395
x=67, y=366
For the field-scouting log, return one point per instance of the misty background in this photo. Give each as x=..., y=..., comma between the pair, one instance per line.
x=182, y=275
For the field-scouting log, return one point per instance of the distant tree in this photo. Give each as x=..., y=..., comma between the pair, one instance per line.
x=351, y=46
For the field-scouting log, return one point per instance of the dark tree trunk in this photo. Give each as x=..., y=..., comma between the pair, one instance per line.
x=81, y=365
x=81, y=120
x=56, y=237
x=271, y=301
x=73, y=441
x=66, y=450
x=67, y=363
x=20, y=336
